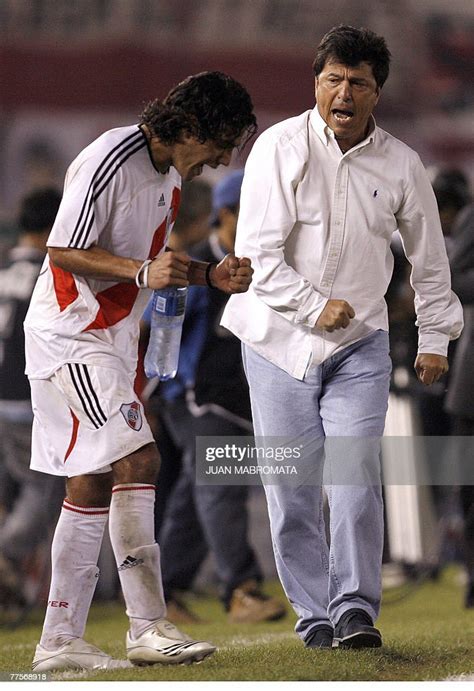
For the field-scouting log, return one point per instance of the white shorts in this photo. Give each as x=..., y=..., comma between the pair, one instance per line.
x=85, y=418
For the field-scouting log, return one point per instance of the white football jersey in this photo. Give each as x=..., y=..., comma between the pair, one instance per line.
x=114, y=198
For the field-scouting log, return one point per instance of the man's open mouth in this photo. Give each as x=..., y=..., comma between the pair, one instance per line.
x=342, y=115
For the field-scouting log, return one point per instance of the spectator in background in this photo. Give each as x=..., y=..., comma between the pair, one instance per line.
x=191, y=226
x=452, y=193
x=459, y=402
x=208, y=397
x=192, y=222
x=37, y=497
x=451, y=188
x=322, y=195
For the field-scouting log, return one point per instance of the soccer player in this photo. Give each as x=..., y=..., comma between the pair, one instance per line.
x=322, y=195
x=107, y=248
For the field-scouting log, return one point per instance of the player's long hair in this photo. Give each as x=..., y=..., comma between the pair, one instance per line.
x=209, y=106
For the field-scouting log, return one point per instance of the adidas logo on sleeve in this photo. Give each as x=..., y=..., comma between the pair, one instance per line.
x=129, y=563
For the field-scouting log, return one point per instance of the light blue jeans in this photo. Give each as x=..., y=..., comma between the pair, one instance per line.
x=345, y=396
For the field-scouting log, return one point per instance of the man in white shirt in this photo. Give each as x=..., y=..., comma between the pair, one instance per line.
x=107, y=249
x=322, y=194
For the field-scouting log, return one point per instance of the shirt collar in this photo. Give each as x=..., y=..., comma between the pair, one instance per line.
x=325, y=133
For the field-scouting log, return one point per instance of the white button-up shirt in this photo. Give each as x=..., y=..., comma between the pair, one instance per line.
x=317, y=224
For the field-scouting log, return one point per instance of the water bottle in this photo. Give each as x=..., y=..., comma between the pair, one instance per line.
x=167, y=316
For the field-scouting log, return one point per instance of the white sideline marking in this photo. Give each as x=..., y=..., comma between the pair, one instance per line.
x=240, y=641
x=258, y=640
x=466, y=676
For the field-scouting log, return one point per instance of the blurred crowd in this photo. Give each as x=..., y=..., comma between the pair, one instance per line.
x=209, y=396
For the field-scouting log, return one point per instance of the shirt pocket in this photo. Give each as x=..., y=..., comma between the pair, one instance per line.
x=375, y=208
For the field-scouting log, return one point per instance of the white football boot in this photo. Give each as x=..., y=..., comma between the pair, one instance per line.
x=75, y=654
x=166, y=644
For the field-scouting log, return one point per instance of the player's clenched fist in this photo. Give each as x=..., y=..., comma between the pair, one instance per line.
x=169, y=269
x=232, y=274
x=337, y=314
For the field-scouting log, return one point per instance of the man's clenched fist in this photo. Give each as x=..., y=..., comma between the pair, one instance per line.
x=430, y=367
x=232, y=274
x=337, y=314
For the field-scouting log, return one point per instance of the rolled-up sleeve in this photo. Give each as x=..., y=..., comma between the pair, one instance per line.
x=438, y=310
x=266, y=218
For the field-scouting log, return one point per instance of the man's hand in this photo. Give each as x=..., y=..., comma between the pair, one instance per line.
x=232, y=275
x=169, y=269
x=337, y=314
x=429, y=367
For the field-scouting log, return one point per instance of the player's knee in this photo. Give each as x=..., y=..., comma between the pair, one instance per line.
x=90, y=490
x=142, y=465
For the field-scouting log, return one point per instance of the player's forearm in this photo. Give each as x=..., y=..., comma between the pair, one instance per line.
x=95, y=262
x=98, y=263
x=197, y=273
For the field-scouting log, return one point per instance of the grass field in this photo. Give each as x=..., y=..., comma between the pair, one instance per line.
x=427, y=636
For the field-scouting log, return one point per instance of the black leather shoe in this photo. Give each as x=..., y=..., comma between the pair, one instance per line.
x=320, y=637
x=355, y=629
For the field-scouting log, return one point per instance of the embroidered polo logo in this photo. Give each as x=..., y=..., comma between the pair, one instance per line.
x=161, y=201
x=132, y=415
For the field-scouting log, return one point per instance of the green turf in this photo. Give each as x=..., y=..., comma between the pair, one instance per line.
x=427, y=636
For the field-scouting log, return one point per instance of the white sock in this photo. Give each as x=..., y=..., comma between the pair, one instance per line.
x=132, y=534
x=74, y=554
